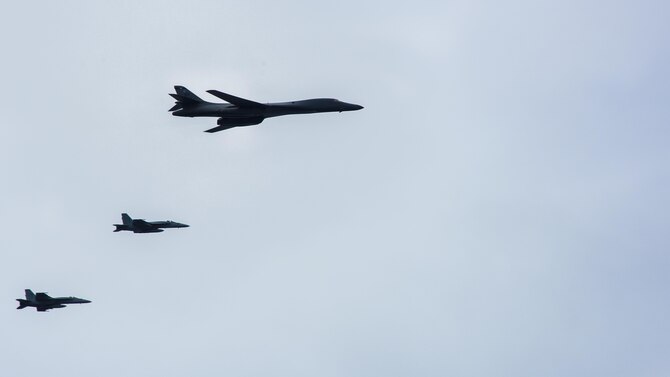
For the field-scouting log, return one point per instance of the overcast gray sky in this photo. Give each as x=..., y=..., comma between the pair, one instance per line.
x=499, y=208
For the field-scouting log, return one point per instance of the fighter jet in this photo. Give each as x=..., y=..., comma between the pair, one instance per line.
x=141, y=226
x=243, y=112
x=42, y=302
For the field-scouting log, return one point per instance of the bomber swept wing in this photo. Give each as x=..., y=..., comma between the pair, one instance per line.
x=241, y=112
x=237, y=101
x=219, y=128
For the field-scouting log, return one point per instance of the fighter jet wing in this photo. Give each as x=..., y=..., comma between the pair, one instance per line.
x=237, y=101
x=144, y=225
x=42, y=309
x=41, y=296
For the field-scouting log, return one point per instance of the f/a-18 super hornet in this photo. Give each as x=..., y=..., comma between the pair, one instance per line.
x=43, y=302
x=141, y=226
x=243, y=112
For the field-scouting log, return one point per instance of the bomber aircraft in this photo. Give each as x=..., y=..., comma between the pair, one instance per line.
x=43, y=302
x=142, y=226
x=243, y=112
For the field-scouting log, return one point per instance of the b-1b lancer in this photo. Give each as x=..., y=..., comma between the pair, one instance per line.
x=243, y=112
x=141, y=226
x=43, y=302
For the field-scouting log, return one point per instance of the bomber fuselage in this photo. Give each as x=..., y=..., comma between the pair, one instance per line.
x=237, y=112
x=225, y=110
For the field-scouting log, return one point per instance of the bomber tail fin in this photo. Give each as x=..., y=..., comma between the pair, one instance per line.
x=184, y=98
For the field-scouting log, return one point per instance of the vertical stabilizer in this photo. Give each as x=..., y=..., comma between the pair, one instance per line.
x=185, y=98
x=187, y=95
x=126, y=219
x=30, y=296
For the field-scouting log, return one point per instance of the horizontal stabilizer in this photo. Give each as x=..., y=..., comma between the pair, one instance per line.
x=184, y=100
x=237, y=101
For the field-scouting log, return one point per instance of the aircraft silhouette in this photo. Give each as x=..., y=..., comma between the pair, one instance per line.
x=243, y=112
x=43, y=302
x=142, y=226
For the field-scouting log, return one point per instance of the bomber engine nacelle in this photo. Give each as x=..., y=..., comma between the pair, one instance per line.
x=238, y=122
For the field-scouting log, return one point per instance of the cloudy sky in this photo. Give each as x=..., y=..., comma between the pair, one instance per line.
x=499, y=208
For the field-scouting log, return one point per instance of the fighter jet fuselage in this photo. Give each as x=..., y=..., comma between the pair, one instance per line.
x=242, y=112
x=142, y=226
x=43, y=302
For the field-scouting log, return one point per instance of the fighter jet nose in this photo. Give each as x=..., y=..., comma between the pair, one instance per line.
x=358, y=107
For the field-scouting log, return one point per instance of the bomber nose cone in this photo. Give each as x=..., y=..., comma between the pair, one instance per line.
x=352, y=107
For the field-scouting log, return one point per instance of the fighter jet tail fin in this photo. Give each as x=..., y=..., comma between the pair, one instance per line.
x=127, y=220
x=22, y=303
x=30, y=296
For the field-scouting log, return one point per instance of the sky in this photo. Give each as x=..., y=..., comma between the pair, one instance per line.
x=499, y=208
